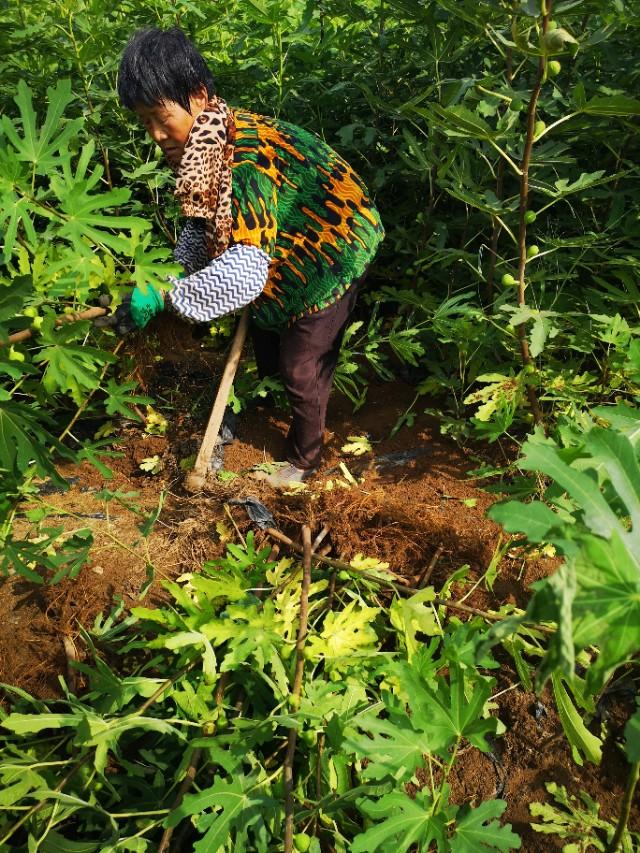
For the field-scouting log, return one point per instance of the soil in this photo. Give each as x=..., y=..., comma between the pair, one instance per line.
x=401, y=510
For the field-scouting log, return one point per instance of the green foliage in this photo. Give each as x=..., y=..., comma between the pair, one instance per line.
x=441, y=714
x=61, y=247
x=371, y=345
x=595, y=490
x=243, y=807
x=225, y=644
x=417, y=135
x=582, y=741
x=479, y=829
x=576, y=820
x=80, y=189
x=24, y=441
x=52, y=554
x=632, y=737
x=429, y=101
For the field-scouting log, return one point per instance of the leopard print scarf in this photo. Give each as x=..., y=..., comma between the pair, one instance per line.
x=203, y=182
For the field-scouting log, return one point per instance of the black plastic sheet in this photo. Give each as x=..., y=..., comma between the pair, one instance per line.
x=256, y=510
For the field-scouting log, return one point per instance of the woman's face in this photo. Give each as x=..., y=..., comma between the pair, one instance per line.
x=169, y=124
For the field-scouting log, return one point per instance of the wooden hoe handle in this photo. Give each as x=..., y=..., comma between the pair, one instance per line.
x=89, y=314
x=197, y=477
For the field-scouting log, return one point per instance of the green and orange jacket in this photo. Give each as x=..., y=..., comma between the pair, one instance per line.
x=298, y=201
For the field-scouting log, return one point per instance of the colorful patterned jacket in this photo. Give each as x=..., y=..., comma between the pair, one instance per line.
x=304, y=228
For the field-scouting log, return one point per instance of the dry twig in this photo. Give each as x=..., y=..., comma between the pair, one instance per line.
x=233, y=521
x=402, y=587
x=341, y=565
x=297, y=686
x=425, y=577
x=187, y=782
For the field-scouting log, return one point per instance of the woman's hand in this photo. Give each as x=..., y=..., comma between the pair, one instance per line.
x=137, y=308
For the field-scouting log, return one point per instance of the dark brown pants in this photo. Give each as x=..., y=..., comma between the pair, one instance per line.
x=305, y=356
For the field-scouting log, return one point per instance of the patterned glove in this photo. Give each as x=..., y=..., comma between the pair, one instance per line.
x=137, y=309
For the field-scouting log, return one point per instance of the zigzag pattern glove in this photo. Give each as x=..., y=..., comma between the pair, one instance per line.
x=191, y=247
x=230, y=281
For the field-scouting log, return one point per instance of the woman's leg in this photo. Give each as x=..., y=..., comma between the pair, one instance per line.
x=309, y=352
x=266, y=349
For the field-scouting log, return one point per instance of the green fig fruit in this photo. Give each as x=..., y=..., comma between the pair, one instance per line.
x=15, y=355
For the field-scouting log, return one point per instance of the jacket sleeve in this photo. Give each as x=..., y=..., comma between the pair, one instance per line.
x=191, y=247
x=228, y=282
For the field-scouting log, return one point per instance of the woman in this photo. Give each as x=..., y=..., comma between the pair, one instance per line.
x=275, y=218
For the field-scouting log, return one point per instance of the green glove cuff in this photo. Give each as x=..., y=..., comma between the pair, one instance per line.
x=145, y=305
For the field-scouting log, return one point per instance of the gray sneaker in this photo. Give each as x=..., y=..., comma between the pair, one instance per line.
x=285, y=476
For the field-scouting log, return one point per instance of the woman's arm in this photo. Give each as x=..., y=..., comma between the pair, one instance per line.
x=191, y=247
x=228, y=282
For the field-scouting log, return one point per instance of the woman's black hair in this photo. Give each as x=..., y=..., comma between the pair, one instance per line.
x=159, y=66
